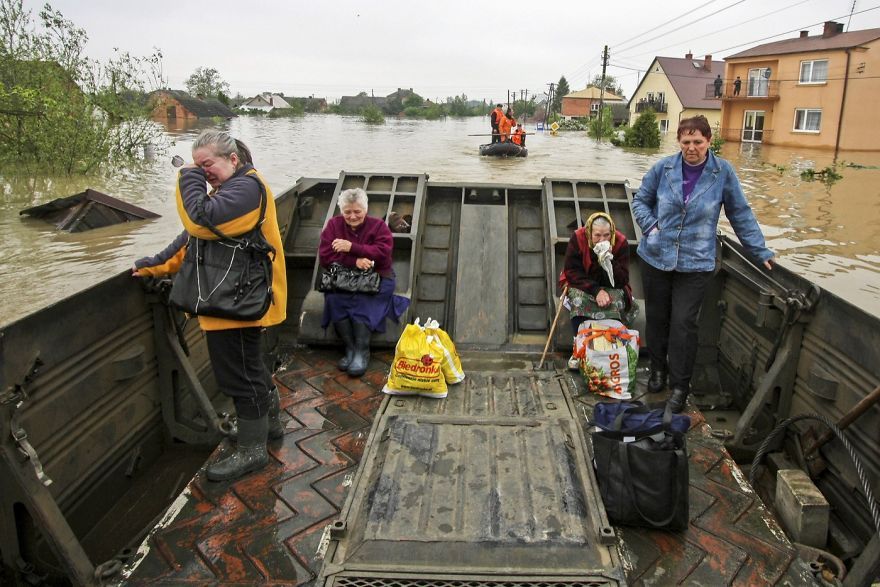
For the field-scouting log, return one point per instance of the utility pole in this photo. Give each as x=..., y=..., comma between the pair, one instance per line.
x=549, y=103
x=601, y=132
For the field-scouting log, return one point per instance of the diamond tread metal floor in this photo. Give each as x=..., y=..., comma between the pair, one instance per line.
x=269, y=527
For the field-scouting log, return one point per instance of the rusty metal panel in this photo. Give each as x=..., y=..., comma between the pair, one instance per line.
x=92, y=408
x=492, y=482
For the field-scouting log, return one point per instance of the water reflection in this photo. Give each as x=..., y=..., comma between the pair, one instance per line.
x=820, y=231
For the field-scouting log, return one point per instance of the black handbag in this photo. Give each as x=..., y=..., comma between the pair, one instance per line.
x=643, y=476
x=338, y=277
x=228, y=277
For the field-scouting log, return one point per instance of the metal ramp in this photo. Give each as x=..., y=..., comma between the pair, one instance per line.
x=491, y=486
x=481, y=265
x=387, y=193
x=569, y=204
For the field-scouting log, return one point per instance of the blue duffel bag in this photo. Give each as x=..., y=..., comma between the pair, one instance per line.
x=635, y=418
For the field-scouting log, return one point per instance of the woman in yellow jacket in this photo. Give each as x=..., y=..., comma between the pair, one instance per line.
x=233, y=206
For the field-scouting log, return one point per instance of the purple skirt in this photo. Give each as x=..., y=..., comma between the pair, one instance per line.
x=367, y=309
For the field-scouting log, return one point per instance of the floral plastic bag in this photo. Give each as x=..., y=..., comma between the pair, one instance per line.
x=416, y=369
x=608, y=353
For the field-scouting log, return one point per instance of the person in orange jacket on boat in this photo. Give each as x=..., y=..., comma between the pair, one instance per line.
x=495, y=118
x=234, y=346
x=505, y=124
x=519, y=136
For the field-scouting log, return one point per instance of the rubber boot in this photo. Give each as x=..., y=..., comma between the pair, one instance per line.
x=657, y=380
x=276, y=427
x=250, y=452
x=678, y=400
x=362, y=334
x=346, y=333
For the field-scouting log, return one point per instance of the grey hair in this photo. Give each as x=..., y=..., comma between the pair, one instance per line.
x=602, y=222
x=353, y=196
x=222, y=144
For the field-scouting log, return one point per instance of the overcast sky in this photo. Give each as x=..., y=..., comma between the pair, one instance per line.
x=331, y=48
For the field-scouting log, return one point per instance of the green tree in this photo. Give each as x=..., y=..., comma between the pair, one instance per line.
x=61, y=112
x=561, y=90
x=413, y=101
x=207, y=83
x=525, y=108
x=717, y=140
x=610, y=84
x=372, y=114
x=644, y=132
x=458, y=106
x=602, y=124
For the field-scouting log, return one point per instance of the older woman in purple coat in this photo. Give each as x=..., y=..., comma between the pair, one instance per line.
x=355, y=239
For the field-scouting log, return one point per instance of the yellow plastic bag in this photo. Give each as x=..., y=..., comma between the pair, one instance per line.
x=451, y=365
x=416, y=369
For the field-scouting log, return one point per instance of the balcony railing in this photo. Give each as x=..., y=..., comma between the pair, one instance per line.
x=748, y=89
x=656, y=106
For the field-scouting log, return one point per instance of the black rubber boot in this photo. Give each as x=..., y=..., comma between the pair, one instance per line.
x=678, y=400
x=657, y=381
x=250, y=452
x=345, y=332
x=276, y=427
x=362, y=334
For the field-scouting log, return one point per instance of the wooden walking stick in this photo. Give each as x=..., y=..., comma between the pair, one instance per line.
x=553, y=326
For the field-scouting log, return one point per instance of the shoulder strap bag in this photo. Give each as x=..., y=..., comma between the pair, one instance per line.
x=339, y=278
x=230, y=277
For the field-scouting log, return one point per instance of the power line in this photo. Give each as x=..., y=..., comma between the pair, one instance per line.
x=690, y=23
x=800, y=28
x=655, y=51
x=664, y=24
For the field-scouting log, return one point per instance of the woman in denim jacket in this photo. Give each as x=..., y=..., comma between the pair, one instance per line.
x=677, y=207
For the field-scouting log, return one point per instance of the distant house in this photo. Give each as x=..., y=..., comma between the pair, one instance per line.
x=356, y=103
x=676, y=88
x=265, y=102
x=810, y=91
x=178, y=105
x=585, y=103
x=310, y=104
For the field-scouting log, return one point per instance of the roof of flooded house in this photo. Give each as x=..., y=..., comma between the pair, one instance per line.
x=689, y=78
x=203, y=108
x=805, y=44
x=594, y=93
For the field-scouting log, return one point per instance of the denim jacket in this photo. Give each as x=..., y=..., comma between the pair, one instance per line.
x=685, y=235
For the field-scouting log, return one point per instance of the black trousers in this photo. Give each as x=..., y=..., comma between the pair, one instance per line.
x=237, y=361
x=496, y=136
x=672, y=308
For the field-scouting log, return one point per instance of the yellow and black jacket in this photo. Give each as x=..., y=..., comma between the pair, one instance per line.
x=234, y=209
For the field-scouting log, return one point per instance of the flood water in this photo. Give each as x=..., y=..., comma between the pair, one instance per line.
x=829, y=234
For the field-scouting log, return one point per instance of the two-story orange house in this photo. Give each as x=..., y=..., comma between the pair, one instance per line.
x=811, y=91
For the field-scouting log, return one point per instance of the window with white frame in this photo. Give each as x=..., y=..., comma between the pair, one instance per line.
x=807, y=120
x=664, y=125
x=814, y=72
x=594, y=106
